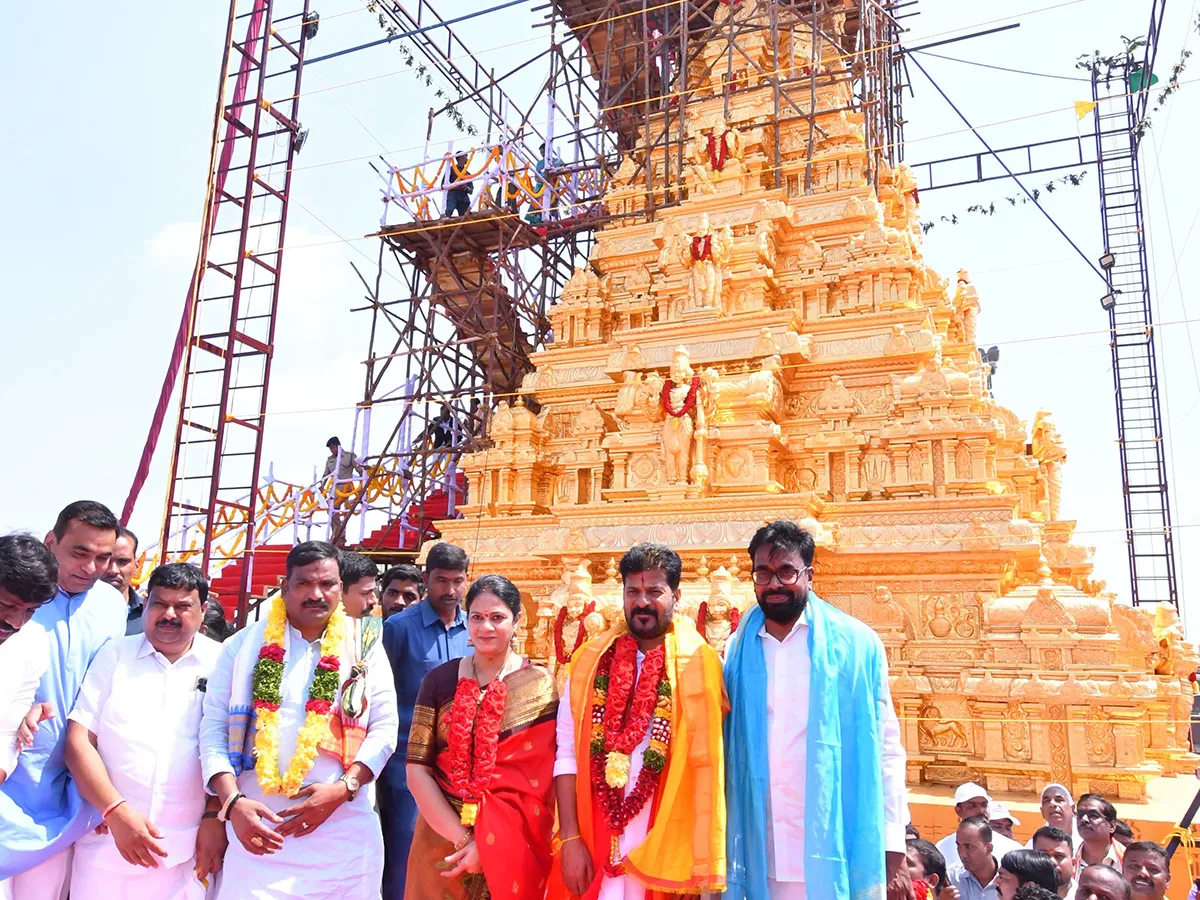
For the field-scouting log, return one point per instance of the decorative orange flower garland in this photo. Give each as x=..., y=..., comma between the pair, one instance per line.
x=473, y=726
x=560, y=649
x=624, y=704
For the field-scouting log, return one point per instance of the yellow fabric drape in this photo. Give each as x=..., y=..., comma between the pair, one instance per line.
x=684, y=851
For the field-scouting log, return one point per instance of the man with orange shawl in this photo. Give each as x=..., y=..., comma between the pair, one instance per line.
x=639, y=773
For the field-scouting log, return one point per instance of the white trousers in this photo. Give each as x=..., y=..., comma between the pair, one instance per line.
x=45, y=881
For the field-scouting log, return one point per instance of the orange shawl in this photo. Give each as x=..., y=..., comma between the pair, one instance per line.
x=684, y=850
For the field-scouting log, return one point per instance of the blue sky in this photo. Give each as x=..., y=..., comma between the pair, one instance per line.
x=103, y=179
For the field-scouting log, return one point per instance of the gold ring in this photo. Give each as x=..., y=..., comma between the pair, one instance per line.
x=256, y=841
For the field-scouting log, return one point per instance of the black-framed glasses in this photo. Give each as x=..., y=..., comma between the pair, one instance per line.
x=1091, y=814
x=786, y=575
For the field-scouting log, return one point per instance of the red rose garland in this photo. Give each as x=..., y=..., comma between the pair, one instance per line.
x=702, y=247
x=689, y=402
x=473, y=733
x=560, y=650
x=626, y=703
x=718, y=151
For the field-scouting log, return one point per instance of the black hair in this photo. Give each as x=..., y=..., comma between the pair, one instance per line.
x=215, y=625
x=182, y=576
x=504, y=590
x=911, y=833
x=1054, y=834
x=28, y=570
x=784, y=534
x=1032, y=891
x=354, y=567
x=310, y=552
x=123, y=532
x=403, y=572
x=1121, y=827
x=1152, y=848
x=447, y=557
x=982, y=824
x=931, y=858
x=649, y=557
x=1031, y=866
x=89, y=512
x=1109, y=811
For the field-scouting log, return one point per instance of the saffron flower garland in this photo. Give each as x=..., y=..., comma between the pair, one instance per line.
x=266, y=680
x=473, y=732
x=621, y=713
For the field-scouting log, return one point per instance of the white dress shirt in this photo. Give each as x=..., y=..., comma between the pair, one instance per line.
x=343, y=856
x=789, y=667
x=145, y=713
x=623, y=888
x=22, y=662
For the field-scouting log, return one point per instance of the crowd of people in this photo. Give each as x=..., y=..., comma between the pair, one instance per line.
x=369, y=737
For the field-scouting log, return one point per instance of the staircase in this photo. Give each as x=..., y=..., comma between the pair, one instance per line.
x=408, y=531
x=270, y=564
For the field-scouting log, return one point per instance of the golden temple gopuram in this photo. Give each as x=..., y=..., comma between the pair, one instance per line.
x=777, y=347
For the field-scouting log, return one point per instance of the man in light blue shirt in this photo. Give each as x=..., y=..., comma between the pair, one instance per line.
x=975, y=878
x=41, y=812
x=420, y=638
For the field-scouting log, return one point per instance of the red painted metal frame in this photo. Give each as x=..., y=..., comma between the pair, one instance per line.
x=225, y=421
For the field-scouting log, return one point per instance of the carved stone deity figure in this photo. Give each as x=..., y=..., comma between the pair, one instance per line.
x=723, y=143
x=683, y=403
x=718, y=616
x=569, y=630
x=704, y=254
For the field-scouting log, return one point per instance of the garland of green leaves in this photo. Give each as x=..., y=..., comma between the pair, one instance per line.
x=1072, y=180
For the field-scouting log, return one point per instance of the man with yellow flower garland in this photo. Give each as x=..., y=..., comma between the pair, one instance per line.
x=297, y=720
x=639, y=772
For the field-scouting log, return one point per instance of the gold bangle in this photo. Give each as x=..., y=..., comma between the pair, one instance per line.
x=567, y=840
x=466, y=839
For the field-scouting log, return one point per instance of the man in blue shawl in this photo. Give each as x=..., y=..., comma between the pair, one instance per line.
x=41, y=812
x=814, y=766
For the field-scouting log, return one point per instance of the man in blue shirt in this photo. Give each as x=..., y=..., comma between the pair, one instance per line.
x=418, y=639
x=41, y=812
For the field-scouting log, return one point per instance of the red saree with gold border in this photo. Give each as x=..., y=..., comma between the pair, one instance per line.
x=516, y=817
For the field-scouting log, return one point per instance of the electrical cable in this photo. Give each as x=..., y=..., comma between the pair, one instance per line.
x=971, y=62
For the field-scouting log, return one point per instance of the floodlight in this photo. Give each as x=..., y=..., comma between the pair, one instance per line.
x=298, y=138
x=1108, y=301
x=1108, y=260
x=312, y=22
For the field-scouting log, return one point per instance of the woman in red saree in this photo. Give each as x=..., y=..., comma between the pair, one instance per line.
x=481, y=763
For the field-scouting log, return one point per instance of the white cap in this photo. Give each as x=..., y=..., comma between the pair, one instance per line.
x=997, y=810
x=969, y=791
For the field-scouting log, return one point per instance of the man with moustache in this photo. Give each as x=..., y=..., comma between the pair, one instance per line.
x=419, y=639
x=41, y=812
x=133, y=747
x=638, y=773
x=291, y=732
x=360, y=587
x=1147, y=868
x=28, y=578
x=401, y=588
x=1059, y=846
x=1097, y=825
x=815, y=794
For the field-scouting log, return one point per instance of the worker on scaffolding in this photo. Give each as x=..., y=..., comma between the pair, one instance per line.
x=344, y=492
x=458, y=197
x=545, y=204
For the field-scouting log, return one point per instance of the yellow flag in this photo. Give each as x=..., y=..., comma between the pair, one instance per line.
x=1083, y=108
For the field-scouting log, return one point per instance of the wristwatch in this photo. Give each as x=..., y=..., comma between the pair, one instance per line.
x=352, y=783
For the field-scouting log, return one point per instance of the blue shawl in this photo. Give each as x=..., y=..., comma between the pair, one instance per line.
x=843, y=815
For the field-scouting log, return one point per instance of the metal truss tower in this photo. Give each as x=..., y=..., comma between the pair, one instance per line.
x=217, y=457
x=1121, y=95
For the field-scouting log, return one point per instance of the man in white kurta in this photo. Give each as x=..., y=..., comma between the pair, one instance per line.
x=133, y=747
x=325, y=843
x=783, y=627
